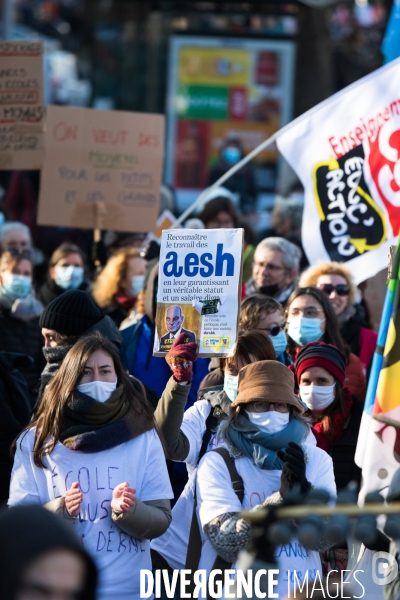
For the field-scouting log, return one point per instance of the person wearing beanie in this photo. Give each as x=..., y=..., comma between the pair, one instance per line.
x=267, y=444
x=335, y=412
x=42, y=557
x=64, y=320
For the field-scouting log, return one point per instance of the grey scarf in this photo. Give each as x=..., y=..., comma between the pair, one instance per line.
x=54, y=358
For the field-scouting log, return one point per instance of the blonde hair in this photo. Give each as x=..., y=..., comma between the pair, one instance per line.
x=107, y=284
x=311, y=275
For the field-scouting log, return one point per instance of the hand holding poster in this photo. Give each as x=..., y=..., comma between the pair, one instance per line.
x=109, y=158
x=199, y=284
x=21, y=105
x=346, y=151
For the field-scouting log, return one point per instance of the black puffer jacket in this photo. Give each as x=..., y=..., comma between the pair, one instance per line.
x=26, y=338
x=343, y=451
x=15, y=411
x=51, y=290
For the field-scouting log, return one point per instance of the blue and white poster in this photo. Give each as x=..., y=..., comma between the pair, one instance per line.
x=199, y=285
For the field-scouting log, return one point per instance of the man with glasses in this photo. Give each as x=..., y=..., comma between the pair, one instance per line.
x=174, y=320
x=275, y=269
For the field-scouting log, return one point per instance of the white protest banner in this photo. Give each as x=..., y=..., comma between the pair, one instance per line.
x=346, y=151
x=21, y=105
x=199, y=285
x=109, y=158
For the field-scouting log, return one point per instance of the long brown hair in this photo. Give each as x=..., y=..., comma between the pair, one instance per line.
x=49, y=416
x=251, y=346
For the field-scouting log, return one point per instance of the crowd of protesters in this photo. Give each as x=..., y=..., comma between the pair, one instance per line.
x=107, y=436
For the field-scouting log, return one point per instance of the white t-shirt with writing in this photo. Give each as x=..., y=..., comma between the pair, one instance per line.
x=215, y=496
x=140, y=462
x=172, y=545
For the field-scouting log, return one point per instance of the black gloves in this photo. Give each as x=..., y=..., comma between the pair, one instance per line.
x=294, y=469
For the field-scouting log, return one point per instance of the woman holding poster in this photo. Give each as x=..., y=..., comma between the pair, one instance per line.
x=188, y=435
x=92, y=453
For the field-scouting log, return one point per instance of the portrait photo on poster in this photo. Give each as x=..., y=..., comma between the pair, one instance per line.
x=174, y=320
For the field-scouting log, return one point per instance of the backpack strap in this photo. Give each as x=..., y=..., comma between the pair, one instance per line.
x=237, y=484
x=237, y=481
x=195, y=543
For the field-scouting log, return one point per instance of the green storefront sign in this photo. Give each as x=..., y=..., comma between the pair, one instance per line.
x=202, y=102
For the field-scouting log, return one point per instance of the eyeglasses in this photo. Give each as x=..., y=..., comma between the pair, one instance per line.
x=270, y=267
x=310, y=312
x=23, y=253
x=264, y=406
x=342, y=289
x=273, y=331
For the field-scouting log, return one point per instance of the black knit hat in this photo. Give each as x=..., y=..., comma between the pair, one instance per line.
x=29, y=532
x=71, y=313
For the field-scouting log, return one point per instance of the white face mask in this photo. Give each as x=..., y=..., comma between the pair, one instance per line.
x=317, y=397
x=98, y=390
x=270, y=421
x=231, y=383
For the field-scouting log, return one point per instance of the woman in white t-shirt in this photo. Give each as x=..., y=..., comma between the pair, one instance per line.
x=265, y=434
x=188, y=435
x=93, y=454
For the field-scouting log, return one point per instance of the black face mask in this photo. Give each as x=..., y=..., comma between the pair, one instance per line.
x=269, y=290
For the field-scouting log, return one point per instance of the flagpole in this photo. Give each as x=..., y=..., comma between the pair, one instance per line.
x=204, y=195
x=378, y=357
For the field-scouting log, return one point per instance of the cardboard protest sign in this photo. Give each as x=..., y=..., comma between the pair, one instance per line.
x=346, y=152
x=109, y=158
x=21, y=105
x=164, y=221
x=199, y=288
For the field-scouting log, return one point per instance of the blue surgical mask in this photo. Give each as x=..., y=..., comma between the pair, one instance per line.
x=231, y=155
x=231, y=383
x=137, y=284
x=303, y=330
x=17, y=286
x=279, y=342
x=69, y=278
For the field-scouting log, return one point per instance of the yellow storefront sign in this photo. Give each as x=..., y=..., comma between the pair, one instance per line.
x=214, y=66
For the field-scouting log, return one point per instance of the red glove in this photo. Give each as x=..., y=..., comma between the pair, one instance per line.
x=180, y=358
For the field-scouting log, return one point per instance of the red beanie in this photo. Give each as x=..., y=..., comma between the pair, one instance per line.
x=326, y=356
